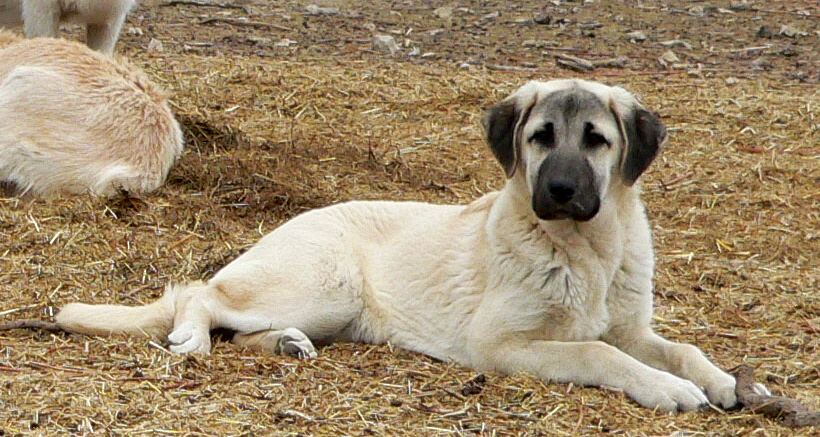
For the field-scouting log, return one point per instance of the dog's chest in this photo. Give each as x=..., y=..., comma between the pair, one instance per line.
x=558, y=297
x=574, y=307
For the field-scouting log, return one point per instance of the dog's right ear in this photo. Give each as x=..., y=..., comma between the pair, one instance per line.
x=502, y=126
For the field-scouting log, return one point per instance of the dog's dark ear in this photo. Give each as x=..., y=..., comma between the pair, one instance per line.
x=499, y=128
x=644, y=134
x=502, y=125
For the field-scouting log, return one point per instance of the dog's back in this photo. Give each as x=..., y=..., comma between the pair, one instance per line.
x=73, y=120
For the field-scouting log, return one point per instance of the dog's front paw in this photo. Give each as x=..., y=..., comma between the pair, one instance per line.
x=721, y=391
x=295, y=343
x=187, y=339
x=664, y=391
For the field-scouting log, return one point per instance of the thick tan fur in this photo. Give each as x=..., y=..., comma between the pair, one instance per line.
x=73, y=120
x=492, y=285
x=42, y=18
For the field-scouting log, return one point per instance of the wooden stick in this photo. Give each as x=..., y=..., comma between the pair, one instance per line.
x=34, y=324
x=204, y=4
x=790, y=412
x=236, y=22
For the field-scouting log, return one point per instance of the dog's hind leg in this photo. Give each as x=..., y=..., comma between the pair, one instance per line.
x=290, y=341
x=192, y=322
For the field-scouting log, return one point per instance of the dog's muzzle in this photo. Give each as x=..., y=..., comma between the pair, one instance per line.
x=565, y=189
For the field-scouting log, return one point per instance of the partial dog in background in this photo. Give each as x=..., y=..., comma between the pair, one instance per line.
x=73, y=120
x=103, y=18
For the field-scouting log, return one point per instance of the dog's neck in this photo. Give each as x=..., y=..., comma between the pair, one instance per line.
x=513, y=211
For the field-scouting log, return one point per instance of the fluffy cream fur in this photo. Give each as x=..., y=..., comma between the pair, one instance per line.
x=488, y=285
x=73, y=120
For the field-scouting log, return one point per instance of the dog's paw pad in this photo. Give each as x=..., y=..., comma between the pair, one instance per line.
x=295, y=343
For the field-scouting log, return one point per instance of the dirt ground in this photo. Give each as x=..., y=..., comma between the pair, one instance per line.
x=288, y=107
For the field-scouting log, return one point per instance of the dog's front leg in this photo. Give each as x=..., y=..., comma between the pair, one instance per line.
x=593, y=363
x=683, y=360
x=41, y=18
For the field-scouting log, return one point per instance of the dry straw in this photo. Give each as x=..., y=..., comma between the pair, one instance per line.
x=733, y=200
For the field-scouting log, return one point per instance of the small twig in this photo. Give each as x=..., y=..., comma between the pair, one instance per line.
x=34, y=324
x=43, y=366
x=235, y=22
x=205, y=4
x=790, y=412
x=573, y=63
x=508, y=68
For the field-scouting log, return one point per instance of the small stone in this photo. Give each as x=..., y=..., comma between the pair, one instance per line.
x=694, y=72
x=669, y=58
x=761, y=64
x=155, y=45
x=732, y=81
x=636, y=36
x=443, y=12
x=318, y=10
x=385, y=44
x=740, y=6
x=788, y=31
x=764, y=32
x=542, y=18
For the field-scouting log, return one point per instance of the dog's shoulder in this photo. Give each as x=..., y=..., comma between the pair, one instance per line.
x=483, y=204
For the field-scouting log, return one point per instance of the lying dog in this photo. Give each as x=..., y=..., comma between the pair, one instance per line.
x=73, y=120
x=103, y=18
x=552, y=275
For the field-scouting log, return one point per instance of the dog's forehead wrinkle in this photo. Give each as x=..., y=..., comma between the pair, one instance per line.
x=571, y=108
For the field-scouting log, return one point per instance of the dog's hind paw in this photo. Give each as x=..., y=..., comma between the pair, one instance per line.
x=187, y=339
x=295, y=343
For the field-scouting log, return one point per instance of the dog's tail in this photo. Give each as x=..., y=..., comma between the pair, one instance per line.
x=155, y=319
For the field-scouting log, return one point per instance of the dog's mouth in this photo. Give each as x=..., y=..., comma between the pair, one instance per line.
x=575, y=210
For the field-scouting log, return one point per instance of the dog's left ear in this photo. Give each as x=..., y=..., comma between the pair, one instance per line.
x=502, y=126
x=644, y=134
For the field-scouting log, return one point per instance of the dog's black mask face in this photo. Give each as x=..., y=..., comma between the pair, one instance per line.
x=569, y=153
x=570, y=140
x=565, y=189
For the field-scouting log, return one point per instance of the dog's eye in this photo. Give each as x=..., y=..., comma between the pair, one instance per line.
x=545, y=137
x=593, y=139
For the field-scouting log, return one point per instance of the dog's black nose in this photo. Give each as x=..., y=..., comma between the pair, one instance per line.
x=561, y=192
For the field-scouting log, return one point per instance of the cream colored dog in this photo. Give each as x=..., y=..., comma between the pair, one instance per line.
x=552, y=275
x=73, y=120
x=103, y=18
